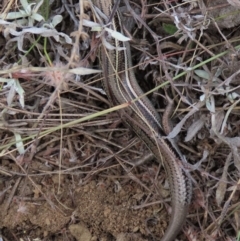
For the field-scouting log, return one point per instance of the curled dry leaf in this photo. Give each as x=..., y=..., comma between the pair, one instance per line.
x=194, y=128
x=84, y=71
x=234, y=3
x=178, y=127
x=222, y=184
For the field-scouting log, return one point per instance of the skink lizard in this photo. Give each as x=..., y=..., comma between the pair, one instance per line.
x=121, y=87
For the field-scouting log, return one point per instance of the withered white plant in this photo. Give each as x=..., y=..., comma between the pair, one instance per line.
x=47, y=30
x=26, y=16
x=14, y=87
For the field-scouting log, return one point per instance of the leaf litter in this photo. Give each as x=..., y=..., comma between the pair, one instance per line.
x=57, y=178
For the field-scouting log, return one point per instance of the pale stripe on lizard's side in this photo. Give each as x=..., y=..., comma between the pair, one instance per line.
x=121, y=86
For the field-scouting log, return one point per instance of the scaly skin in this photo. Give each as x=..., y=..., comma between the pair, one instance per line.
x=121, y=86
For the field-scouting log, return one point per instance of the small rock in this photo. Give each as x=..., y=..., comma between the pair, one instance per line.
x=80, y=232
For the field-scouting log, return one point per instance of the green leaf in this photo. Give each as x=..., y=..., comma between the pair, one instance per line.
x=202, y=73
x=56, y=20
x=37, y=17
x=13, y=15
x=117, y=35
x=19, y=143
x=26, y=6
x=170, y=28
